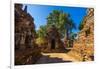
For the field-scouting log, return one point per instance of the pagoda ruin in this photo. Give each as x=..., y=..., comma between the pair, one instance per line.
x=26, y=50
x=84, y=44
x=24, y=28
x=54, y=43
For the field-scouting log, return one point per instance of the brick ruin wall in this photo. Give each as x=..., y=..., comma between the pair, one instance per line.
x=26, y=50
x=84, y=44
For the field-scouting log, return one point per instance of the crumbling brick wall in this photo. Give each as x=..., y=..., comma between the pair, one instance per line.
x=84, y=44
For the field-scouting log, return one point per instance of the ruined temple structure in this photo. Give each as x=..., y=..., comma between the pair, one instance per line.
x=53, y=40
x=25, y=35
x=84, y=44
x=24, y=28
x=86, y=35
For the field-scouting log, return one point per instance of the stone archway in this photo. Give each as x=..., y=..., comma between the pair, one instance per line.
x=53, y=44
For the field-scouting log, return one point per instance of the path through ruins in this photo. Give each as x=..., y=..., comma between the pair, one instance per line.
x=55, y=58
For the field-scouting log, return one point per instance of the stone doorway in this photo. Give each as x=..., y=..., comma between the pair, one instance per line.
x=53, y=44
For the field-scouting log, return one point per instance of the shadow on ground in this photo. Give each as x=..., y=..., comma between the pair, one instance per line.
x=47, y=59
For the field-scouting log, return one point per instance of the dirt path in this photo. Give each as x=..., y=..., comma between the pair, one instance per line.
x=55, y=58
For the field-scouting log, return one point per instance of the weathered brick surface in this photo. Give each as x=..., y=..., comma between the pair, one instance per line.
x=54, y=43
x=26, y=50
x=24, y=28
x=84, y=44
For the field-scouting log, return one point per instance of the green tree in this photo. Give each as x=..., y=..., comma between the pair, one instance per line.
x=62, y=21
x=41, y=40
x=42, y=31
x=59, y=19
x=71, y=26
x=53, y=18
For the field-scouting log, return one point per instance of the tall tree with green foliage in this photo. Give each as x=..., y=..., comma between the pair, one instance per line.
x=62, y=22
x=62, y=25
x=57, y=18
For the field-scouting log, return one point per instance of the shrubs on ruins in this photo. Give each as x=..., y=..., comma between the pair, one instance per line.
x=81, y=25
x=41, y=42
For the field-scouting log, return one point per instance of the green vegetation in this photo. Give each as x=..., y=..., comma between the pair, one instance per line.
x=42, y=31
x=81, y=24
x=61, y=21
x=41, y=41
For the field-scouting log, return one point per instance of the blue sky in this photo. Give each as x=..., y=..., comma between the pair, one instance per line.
x=40, y=12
